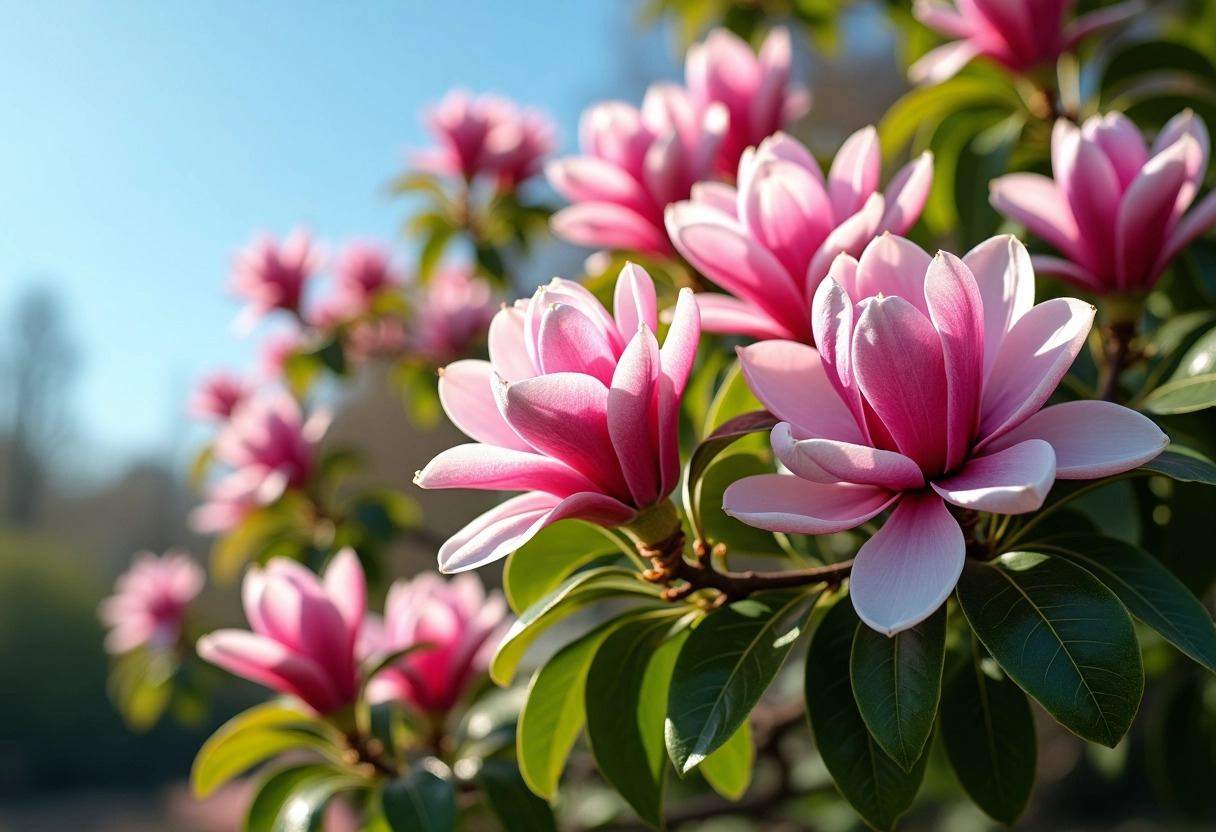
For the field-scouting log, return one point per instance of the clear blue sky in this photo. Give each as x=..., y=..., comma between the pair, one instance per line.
x=141, y=143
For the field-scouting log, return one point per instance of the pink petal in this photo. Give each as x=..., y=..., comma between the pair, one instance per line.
x=1033, y=358
x=589, y=179
x=942, y=63
x=716, y=195
x=850, y=237
x=346, y=589
x=1121, y=141
x=1078, y=276
x=906, y=571
x=1011, y=481
x=1146, y=214
x=1091, y=439
x=501, y=469
x=509, y=345
x=632, y=399
x=1087, y=181
x=1005, y=277
x=895, y=267
x=609, y=225
x=467, y=394
x=828, y=461
x=854, y=173
x=832, y=322
x=786, y=209
x=1087, y=24
x=570, y=343
x=783, y=503
x=676, y=358
x=269, y=663
x=1034, y=201
x=1196, y=222
x=664, y=168
x=905, y=197
x=633, y=301
x=957, y=312
x=790, y=380
x=731, y=316
x=942, y=17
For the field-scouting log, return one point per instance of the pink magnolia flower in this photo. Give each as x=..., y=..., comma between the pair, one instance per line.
x=457, y=618
x=277, y=348
x=218, y=395
x=1117, y=209
x=304, y=631
x=1020, y=35
x=755, y=89
x=634, y=164
x=489, y=135
x=363, y=271
x=453, y=313
x=271, y=448
x=150, y=601
x=272, y=275
x=926, y=391
x=575, y=406
x=771, y=241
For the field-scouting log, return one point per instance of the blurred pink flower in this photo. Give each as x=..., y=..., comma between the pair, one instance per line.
x=304, y=631
x=1117, y=209
x=218, y=395
x=755, y=89
x=926, y=391
x=381, y=337
x=453, y=313
x=1020, y=35
x=277, y=348
x=150, y=601
x=487, y=135
x=634, y=164
x=575, y=406
x=362, y=272
x=464, y=625
x=770, y=241
x=271, y=275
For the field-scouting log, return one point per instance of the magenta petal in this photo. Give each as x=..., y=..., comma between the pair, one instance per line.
x=570, y=343
x=501, y=469
x=1146, y=214
x=832, y=322
x=1005, y=277
x=827, y=460
x=269, y=663
x=893, y=266
x=1011, y=481
x=346, y=589
x=1078, y=276
x=1088, y=182
x=1091, y=439
x=467, y=394
x=783, y=503
x=905, y=572
x=1034, y=201
x=790, y=380
x=632, y=400
x=854, y=173
x=676, y=357
x=905, y=197
x=850, y=237
x=1035, y=355
x=731, y=316
x=957, y=312
x=633, y=301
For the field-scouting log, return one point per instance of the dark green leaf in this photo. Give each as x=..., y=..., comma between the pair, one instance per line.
x=712, y=445
x=1200, y=359
x=549, y=558
x=869, y=780
x=517, y=808
x=273, y=792
x=989, y=735
x=1182, y=395
x=1185, y=464
x=724, y=668
x=304, y=809
x=1182, y=748
x=490, y=261
x=419, y=802
x=729, y=769
x=332, y=356
x=1148, y=590
x=897, y=681
x=1062, y=636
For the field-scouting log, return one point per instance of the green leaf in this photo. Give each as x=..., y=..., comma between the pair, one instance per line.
x=624, y=731
x=724, y=668
x=432, y=250
x=726, y=434
x=897, y=682
x=1062, y=636
x=575, y=593
x=249, y=738
x=554, y=712
x=989, y=736
x=332, y=355
x=1183, y=395
x=418, y=181
x=729, y=769
x=1149, y=591
x=869, y=780
x=141, y=685
x=517, y=808
x=1200, y=359
x=1184, y=464
x=274, y=790
x=1182, y=748
x=733, y=398
x=419, y=802
x=304, y=809
x=490, y=261
x=541, y=564
x=929, y=105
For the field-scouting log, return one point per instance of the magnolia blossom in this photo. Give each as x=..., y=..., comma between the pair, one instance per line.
x=1117, y=209
x=577, y=407
x=271, y=448
x=755, y=89
x=771, y=241
x=271, y=275
x=926, y=391
x=150, y=601
x=488, y=135
x=363, y=271
x=635, y=163
x=453, y=312
x=304, y=631
x=1020, y=35
x=218, y=395
x=462, y=624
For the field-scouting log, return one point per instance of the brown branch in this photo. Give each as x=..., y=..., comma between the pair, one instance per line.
x=369, y=751
x=1117, y=338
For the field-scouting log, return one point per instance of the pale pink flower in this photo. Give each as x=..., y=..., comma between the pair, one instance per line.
x=1020, y=35
x=218, y=395
x=362, y=273
x=487, y=135
x=755, y=89
x=456, y=617
x=926, y=391
x=575, y=406
x=770, y=241
x=304, y=631
x=453, y=312
x=1117, y=209
x=271, y=275
x=150, y=601
x=635, y=163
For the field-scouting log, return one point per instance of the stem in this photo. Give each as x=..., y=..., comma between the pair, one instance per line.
x=368, y=751
x=1117, y=337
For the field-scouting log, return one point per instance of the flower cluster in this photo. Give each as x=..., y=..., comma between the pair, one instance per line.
x=150, y=602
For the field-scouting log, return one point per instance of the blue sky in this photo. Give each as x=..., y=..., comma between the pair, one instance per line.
x=141, y=143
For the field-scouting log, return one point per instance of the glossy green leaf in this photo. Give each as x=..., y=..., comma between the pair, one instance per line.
x=724, y=668
x=1062, y=636
x=988, y=732
x=1200, y=359
x=709, y=447
x=897, y=682
x=1149, y=591
x=1182, y=395
x=1184, y=464
x=250, y=738
x=540, y=565
x=274, y=790
x=304, y=809
x=517, y=808
x=575, y=593
x=729, y=769
x=874, y=784
x=421, y=801
x=930, y=104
